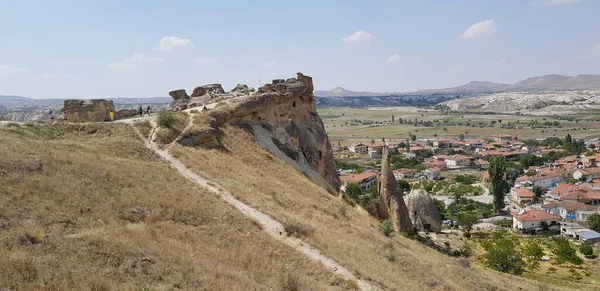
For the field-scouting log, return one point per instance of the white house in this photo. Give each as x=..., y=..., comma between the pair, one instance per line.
x=365, y=180
x=572, y=210
x=458, y=161
x=590, y=173
x=432, y=173
x=404, y=173
x=533, y=220
x=542, y=181
x=359, y=148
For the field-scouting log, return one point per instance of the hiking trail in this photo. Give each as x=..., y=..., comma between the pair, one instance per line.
x=269, y=225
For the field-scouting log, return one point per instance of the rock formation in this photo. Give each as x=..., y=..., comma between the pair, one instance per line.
x=391, y=202
x=180, y=98
x=423, y=213
x=282, y=117
x=94, y=110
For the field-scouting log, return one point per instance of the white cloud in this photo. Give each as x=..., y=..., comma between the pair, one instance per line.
x=393, y=58
x=484, y=28
x=270, y=64
x=133, y=61
x=360, y=35
x=170, y=43
x=205, y=61
x=554, y=2
x=8, y=70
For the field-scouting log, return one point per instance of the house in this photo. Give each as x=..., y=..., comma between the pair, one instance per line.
x=522, y=194
x=572, y=210
x=539, y=180
x=458, y=161
x=483, y=164
x=485, y=179
x=374, y=154
x=533, y=220
x=589, y=237
x=441, y=143
x=503, y=137
x=359, y=148
x=365, y=180
x=588, y=173
x=404, y=173
x=434, y=164
x=579, y=193
x=432, y=174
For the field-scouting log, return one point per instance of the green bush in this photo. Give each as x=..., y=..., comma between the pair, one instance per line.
x=386, y=227
x=504, y=222
x=502, y=255
x=165, y=118
x=564, y=252
x=586, y=250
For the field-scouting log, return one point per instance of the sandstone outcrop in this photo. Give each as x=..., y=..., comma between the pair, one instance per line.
x=391, y=202
x=283, y=119
x=423, y=213
x=95, y=110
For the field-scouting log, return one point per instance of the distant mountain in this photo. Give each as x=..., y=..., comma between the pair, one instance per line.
x=13, y=98
x=543, y=83
x=472, y=87
x=341, y=92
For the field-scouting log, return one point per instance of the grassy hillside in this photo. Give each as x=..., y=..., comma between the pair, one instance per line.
x=88, y=207
x=345, y=234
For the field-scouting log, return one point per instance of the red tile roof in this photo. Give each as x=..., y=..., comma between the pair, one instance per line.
x=523, y=192
x=570, y=205
x=357, y=178
x=534, y=214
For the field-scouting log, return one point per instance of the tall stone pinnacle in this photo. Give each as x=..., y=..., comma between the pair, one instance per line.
x=391, y=201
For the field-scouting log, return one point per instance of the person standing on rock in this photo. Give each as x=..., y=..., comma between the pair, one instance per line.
x=112, y=115
x=148, y=110
x=51, y=115
x=140, y=111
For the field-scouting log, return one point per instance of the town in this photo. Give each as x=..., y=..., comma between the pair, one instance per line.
x=548, y=186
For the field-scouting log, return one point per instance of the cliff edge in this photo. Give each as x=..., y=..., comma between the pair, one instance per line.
x=282, y=116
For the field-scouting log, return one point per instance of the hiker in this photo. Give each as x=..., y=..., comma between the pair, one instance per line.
x=112, y=115
x=148, y=110
x=51, y=115
x=141, y=111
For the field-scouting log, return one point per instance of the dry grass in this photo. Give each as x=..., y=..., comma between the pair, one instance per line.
x=166, y=135
x=351, y=238
x=144, y=127
x=88, y=207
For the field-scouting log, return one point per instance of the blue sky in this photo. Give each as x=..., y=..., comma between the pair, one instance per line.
x=78, y=48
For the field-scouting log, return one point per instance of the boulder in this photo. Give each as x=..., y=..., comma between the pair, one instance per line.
x=214, y=88
x=242, y=88
x=126, y=113
x=95, y=110
x=199, y=91
x=423, y=213
x=391, y=202
x=179, y=94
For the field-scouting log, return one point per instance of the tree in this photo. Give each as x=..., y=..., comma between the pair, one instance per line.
x=353, y=191
x=461, y=136
x=392, y=118
x=413, y=137
x=404, y=185
x=497, y=184
x=407, y=145
x=445, y=129
x=533, y=253
x=441, y=207
x=537, y=191
x=563, y=252
x=502, y=255
x=435, y=135
x=594, y=222
x=400, y=121
x=466, y=220
x=568, y=139
x=586, y=250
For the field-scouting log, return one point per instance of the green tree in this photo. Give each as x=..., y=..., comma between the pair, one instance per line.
x=563, y=252
x=538, y=191
x=404, y=185
x=568, y=139
x=496, y=183
x=502, y=255
x=441, y=207
x=466, y=220
x=353, y=191
x=461, y=136
x=533, y=253
x=594, y=222
x=413, y=137
x=586, y=250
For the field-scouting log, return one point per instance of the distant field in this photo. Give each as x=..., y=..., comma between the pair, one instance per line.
x=339, y=128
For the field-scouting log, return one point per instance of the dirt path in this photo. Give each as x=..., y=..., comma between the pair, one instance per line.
x=269, y=225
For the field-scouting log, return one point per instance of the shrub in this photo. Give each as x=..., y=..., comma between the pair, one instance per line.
x=502, y=255
x=287, y=279
x=386, y=227
x=563, y=252
x=297, y=230
x=391, y=257
x=504, y=222
x=193, y=111
x=586, y=250
x=165, y=118
x=533, y=253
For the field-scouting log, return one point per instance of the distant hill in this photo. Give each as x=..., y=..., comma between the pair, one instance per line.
x=13, y=98
x=341, y=92
x=472, y=87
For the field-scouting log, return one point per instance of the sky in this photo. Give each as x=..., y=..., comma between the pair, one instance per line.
x=135, y=48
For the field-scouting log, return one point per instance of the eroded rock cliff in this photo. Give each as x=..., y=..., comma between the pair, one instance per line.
x=95, y=110
x=283, y=118
x=422, y=211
